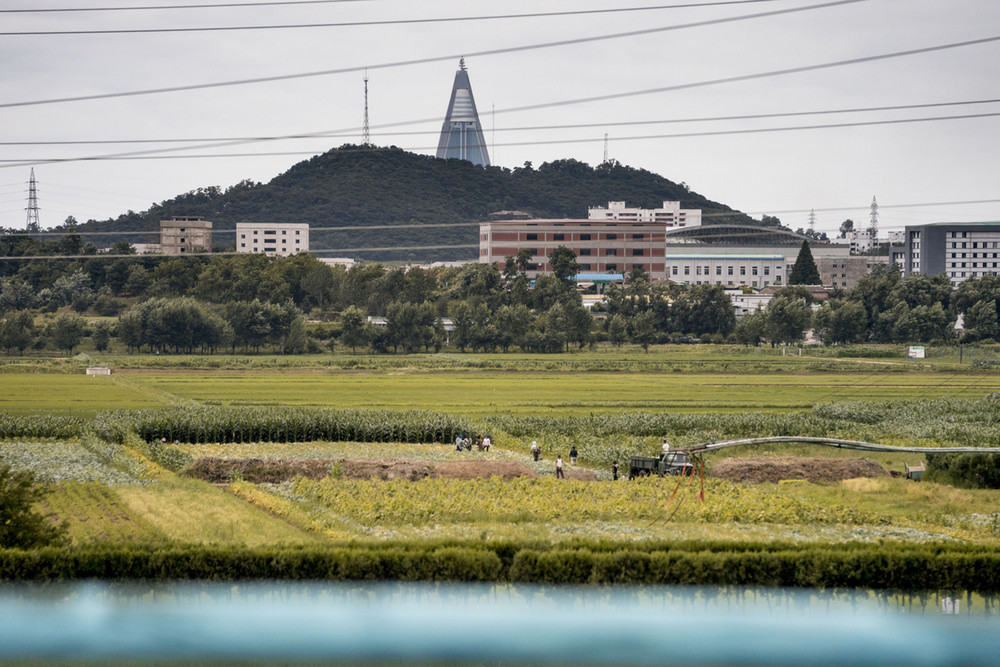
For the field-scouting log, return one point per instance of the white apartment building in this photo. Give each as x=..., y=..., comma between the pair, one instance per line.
x=275, y=240
x=670, y=215
x=729, y=270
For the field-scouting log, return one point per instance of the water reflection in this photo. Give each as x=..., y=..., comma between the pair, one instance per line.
x=499, y=624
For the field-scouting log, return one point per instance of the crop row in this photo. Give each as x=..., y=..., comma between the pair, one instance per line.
x=224, y=425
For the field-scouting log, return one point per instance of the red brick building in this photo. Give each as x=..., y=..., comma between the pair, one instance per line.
x=600, y=247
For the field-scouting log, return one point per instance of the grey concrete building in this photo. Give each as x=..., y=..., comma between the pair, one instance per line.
x=960, y=250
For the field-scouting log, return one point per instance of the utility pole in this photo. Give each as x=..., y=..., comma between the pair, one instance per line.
x=32, y=209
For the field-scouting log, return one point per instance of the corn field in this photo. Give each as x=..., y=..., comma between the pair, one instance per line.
x=240, y=425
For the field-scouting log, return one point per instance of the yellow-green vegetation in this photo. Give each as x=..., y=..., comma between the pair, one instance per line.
x=76, y=395
x=192, y=512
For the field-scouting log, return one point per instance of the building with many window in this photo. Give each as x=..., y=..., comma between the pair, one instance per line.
x=600, y=247
x=670, y=215
x=276, y=240
x=185, y=234
x=959, y=250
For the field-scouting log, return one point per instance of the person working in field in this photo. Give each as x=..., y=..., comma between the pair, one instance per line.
x=665, y=447
x=535, y=449
x=559, y=468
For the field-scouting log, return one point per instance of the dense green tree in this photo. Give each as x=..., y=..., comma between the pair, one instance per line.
x=67, y=331
x=786, y=320
x=838, y=322
x=352, y=328
x=642, y=329
x=101, y=335
x=873, y=291
x=981, y=321
x=704, y=309
x=564, y=264
x=68, y=288
x=751, y=328
x=617, y=329
x=804, y=271
x=17, y=331
x=21, y=526
x=512, y=322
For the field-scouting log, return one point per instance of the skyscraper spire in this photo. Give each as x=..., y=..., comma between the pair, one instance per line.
x=462, y=133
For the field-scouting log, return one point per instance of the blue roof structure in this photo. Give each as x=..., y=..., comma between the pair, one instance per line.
x=599, y=277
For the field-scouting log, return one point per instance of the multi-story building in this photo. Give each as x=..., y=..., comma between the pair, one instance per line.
x=670, y=215
x=276, y=240
x=185, y=234
x=730, y=269
x=960, y=250
x=600, y=247
x=845, y=272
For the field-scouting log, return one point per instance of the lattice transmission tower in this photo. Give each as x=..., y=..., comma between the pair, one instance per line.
x=366, y=137
x=32, y=209
x=873, y=220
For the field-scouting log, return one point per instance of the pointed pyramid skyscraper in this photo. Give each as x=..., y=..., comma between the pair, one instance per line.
x=461, y=133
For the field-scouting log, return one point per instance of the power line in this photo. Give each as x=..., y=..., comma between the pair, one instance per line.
x=476, y=223
x=383, y=22
x=218, y=5
x=272, y=4
x=162, y=153
x=349, y=132
x=451, y=57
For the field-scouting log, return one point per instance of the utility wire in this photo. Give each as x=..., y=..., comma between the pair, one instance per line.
x=450, y=57
x=359, y=24
x=218, y=5
x=163, y=153
x=283, y=4
x=353, y=228
x=348, y=132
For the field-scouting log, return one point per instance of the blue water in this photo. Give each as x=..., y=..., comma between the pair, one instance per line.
x=488, y=625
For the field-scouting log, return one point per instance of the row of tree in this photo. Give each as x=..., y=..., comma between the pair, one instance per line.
x=490, y=308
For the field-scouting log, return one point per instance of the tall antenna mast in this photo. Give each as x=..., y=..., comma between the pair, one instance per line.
x=812, y=220
x=873, y=224
x=605, y=148
x=32, y=209
x=366, y=137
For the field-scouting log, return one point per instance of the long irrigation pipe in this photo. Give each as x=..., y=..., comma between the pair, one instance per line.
x=833, y=442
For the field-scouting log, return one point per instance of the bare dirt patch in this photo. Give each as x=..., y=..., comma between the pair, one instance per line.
x=775, y=469
x=477, y=469
x=256, y=471
x=260, y=471
x=385, y=469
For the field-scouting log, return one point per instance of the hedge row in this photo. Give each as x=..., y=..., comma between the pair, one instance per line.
x=875, y=568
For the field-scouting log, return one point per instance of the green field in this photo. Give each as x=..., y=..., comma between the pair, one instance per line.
x=482, y=393
x=130, y=493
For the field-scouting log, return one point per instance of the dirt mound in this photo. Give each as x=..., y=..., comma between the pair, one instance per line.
x=775, y=469
x=476, y=469
x=386, y=469
x=256, y=471
x=581, y=475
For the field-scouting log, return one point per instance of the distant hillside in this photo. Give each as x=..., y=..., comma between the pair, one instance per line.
x=362, y=187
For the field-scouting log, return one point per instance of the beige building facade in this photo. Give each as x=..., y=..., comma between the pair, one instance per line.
x=183, y=235
x=275, y=240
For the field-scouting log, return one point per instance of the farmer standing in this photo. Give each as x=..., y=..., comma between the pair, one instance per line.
x=559, y=468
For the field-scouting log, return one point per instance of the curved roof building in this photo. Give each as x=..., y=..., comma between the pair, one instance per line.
x=461, y=133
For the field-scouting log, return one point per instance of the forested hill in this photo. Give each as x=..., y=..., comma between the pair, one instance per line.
x=356, y=186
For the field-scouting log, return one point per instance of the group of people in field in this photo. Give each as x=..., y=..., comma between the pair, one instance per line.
x=482, y=443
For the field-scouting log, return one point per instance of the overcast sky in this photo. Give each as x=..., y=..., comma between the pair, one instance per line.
x=834, y=170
